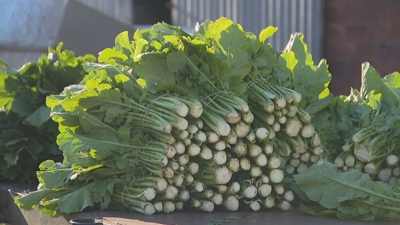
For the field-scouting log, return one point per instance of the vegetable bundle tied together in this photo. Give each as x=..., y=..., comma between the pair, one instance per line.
x=172, y=120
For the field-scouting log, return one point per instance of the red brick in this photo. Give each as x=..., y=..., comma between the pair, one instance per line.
x=367, y=51
x=347, y=2
x=350, y=13
x=341, y=83
x=380, y=32
x=341, y=51
x=353, y=69
x=357, y=32
x=395, y=32
x=389, y=51
x=334, y=31
x=376, y=12
x=384, y=68
x=332, y=14
x=339, y=87
x=335, y=67
x=392, y=12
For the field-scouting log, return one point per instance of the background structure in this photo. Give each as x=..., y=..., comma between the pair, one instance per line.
x=357, y=31
x=345, y=32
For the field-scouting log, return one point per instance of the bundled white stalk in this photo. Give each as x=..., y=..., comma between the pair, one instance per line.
x=269, y=201
x=240, y=149
x=232, y=188
x=212, y=174
x=231, y=203
x=247, y=189
x=195, y=106
x=213, y=137
x=241, y=129
x=233, y=164
x=283, y=205
x=245, y=163
x=264, y=190
x=216, y=123
x=170, y=193
x=206, y=153
x=231, y=139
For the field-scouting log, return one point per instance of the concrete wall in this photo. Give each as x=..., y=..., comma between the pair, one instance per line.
x=305, y=16
x=28, y=27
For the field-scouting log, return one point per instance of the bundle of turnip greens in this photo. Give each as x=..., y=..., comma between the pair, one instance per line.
x=361, y=132
x=365, y=126
x=170, y=121
x=27, y=134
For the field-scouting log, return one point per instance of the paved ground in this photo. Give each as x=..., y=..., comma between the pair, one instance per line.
x=294, y=217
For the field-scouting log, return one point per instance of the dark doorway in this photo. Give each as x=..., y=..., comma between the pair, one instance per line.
x=151, y=11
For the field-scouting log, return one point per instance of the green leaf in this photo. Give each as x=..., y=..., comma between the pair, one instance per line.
x=374, y=101
x=11, y=157
x=176, y=61
x=267, y=33
x=324, y=184
x=54, y=179
x=307, y=78
x=320, y=105
x=231, y=43
x=109, y=55
x=77, y=200
x=3, y=64
x=104, y=142
x=370, y=80
x=123, y=43
x=22, y=106
x=153, y=69
x=31, y=200
x=39, y=117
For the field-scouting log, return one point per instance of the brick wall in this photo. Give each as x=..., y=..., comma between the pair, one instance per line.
x=357, y=31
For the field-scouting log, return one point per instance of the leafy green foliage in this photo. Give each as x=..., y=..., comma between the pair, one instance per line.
x=348, y=195
x=111, y=122
x=374, y=107
x=56, y=199
x=27, y=133
x=295, y=69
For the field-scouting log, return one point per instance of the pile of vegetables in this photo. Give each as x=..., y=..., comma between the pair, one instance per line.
x=360, y=179
x=28, y=134
x=171, y=120
x=217, y=120
x=364, y=126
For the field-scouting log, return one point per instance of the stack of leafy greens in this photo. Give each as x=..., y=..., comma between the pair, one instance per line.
x=362, y=133
x=27, y=133
x=365, y=126
x=217, y=120
x=212, y=120
x=348, y=195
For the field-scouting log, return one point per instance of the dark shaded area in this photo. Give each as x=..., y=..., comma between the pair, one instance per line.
x=151, y=11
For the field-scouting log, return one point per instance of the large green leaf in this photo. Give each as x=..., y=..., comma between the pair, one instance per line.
x=231, y=43
x=371, y=80
x=39, y=116
x=102, y=141
x=267, y=33
x=31, y=200
x=324, y=184
x=54, y=179
x=310, y=80
x=153, y=69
